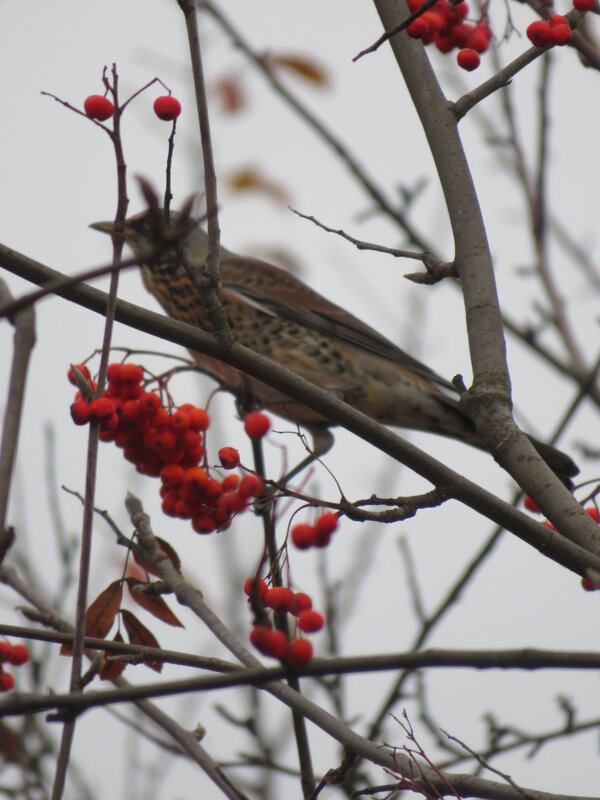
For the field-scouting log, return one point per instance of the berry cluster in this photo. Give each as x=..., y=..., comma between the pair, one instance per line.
x=15, y=654
x=589, y=586
x=169, y=444
x=305, y=536
x=275, y=643
x=99, y=107
x=555, y=30
x=444, y=26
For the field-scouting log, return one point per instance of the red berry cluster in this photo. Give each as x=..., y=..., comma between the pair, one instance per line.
x=586, y=584
x=99, y=107
x=444, y=26
x=555, y=30
x=305, y=536
x=275, y=643
x=168, y=444
x=15, y=654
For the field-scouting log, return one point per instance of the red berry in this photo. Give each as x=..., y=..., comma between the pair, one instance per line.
x=5, y=650
x=169, y=503
x=468, y=59
x=131, y=374
x=229, y=457
x=180, y=422
x=18, y=655
x=584, y=5
x=435, y=21
x=588, y=585
x=414, y=5
x=164, y=440
x=538, y=33
x=480, y=41
x=102, y=409
x=230, y=482
x=530, y=505
x=160, y=418
x=280, y=598
x=298, y=652
x=251, y=582
x=310, y=621
x=196, y=478
x=113, y=373
x=593, y=512
x=81, y=368
x=167, y=108
x=256, y=424
x=199, y=419
x=418, y=28
x=6, y=681
x=98, y=107
x=80, y=412
x=444, y=42
x=213, y=488
x=172, y=475
x=326, y=523
x=191, y=441
x=303, y=536
x=204, y=523
x=251, y=486
x=232, y=502
x=560, y=35
x=269, y=642
x=303, y=602
x=149, y=403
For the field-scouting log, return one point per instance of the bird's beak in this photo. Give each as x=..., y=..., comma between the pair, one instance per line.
x=103, y=227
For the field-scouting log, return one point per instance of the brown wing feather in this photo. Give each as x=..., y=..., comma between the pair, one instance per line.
x=278, y=292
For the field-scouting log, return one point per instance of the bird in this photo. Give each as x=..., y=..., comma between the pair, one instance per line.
x=275, y=314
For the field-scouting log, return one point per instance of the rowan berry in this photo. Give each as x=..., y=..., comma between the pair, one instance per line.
x=251, y=486
x=588, y=586
x=5, y=650
x=232, y=502
x=539, y=33
x=256, y=424
x=229, y=457
x=169, y=503
x=191, y=441
x=593, y=512
x=199, y=419
x=279, y=598
x=149, y=403
x=19, y=654
x=310, y=621
x=584, y=5
x=102, y=409
x=113, y=373
x=298, y=652
x=326, y=523
x=81, y=368
x=7, y=682
x=80, y=412
x=131, y=374
x=196, y=478
x=414, y=5
x=172, y=475
x=160, y=418
x=164, y=440
x=480, y=40
x=230, y=482
x=418, y=28
x=560, y=35
x=183, y=509
x=530, y=505
x=167, y=108
x=468, y=59
x=250, y=583
x=303, y=536
x=204, y=523
x=96, y=106
x=303, y=602
x=213, y=488
x=180, y=422
x=269, y=642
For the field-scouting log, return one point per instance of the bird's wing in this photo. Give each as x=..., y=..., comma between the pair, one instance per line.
x=277, y=292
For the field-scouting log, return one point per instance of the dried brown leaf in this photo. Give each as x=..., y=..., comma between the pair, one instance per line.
x=138, y=633
x=152, y=603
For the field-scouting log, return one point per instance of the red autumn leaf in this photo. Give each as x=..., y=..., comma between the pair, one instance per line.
x=139, y=634
x=101, y=614
x=111, y=670
x=303, y=67
x=231, y=95
x=168, y=550
x=152, y=603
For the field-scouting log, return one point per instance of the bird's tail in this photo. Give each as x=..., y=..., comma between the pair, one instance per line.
x=560, y=463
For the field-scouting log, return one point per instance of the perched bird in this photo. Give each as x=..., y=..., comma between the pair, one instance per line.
x=275, y=314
